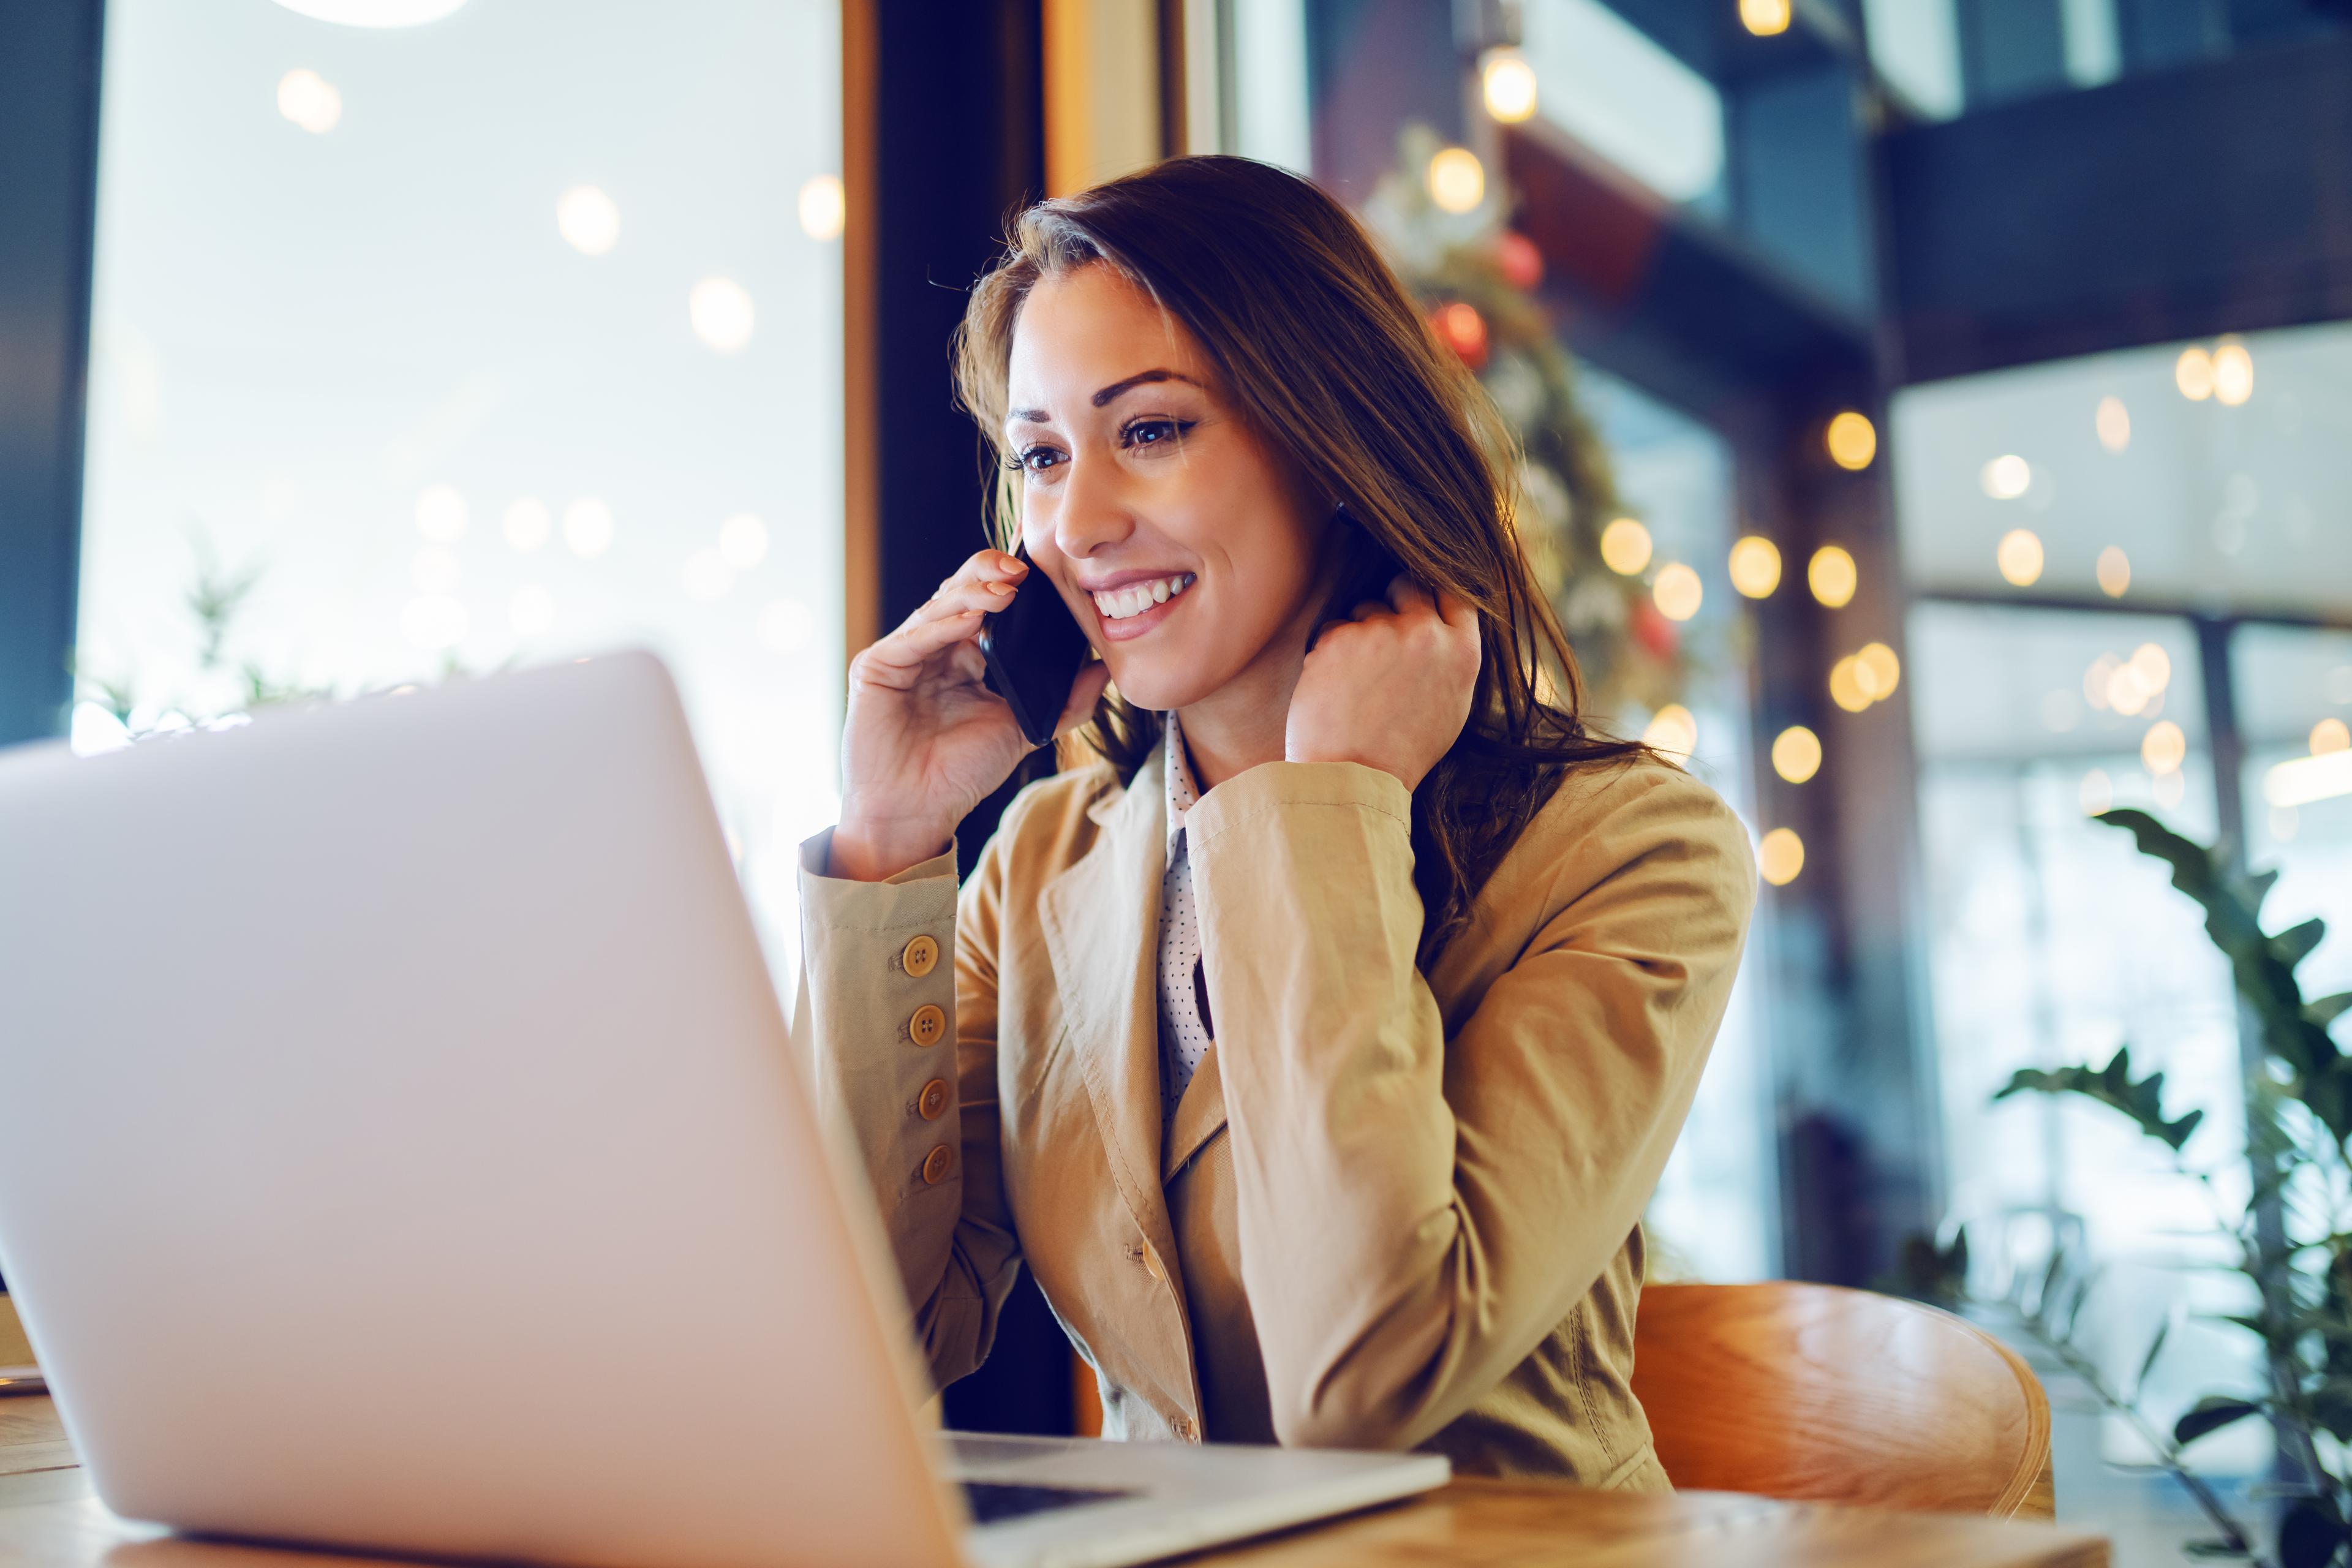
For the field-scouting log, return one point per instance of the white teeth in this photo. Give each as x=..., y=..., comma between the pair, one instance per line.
x=1120, y=603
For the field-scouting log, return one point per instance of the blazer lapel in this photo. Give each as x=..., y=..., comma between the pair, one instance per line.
x=1101, y=918
x=1199, y=1116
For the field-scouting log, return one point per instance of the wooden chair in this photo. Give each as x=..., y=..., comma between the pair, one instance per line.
x=1815, y=1394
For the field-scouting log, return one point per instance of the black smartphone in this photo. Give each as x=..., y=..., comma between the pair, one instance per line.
x=1366, y=569
x=1034, y=649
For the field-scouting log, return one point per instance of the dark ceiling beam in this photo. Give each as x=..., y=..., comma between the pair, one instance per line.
x=2216, y=197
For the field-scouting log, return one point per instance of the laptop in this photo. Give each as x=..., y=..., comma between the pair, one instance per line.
x=407, y=1154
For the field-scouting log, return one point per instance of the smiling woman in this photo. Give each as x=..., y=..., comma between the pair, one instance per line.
x=1319, y=1051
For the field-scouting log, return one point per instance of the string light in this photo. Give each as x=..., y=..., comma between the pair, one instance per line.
x=2113, y=422
x=1678, y=592
x=1625, y=546
x=1878, y=669
x=309, y=101
x=2192, y=372
x=2233, y=373
x=1672, y=732
x=1832, y=576
x=2019, y=556
x=1457, y=180
x=1756, y=566
x=1796, y=754
x=588, y=220
x=2007, y=477
x=823, y=207
x=1781, y=856
x=2114, y=572
x=1851, y=440
x=2164, y=748
x=1509, y=83
x=1846, y=687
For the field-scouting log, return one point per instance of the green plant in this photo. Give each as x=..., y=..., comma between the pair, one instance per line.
x=2292, y=1238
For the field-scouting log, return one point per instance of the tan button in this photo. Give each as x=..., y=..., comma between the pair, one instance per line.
x=933, y=1101
x=935, y=1165
x=919, y=955
x=928, y=1025
x=1151, y=1265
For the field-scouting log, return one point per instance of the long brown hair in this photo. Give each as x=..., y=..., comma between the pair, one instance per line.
x=1320, y=346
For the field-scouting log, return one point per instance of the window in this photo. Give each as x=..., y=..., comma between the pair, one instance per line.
x=500, y=338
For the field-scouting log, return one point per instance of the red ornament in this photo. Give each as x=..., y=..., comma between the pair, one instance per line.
x=1520, y=261
x=1656, y=633
x=1461, y=327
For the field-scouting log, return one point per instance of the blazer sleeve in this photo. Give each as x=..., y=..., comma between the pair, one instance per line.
x=1415, y=1215
x=944, y=1213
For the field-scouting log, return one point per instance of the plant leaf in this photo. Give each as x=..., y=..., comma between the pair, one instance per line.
x=2309, y=1536
x=2216, y=1549
x=2147, y=1362
x=2111, y=1085
x=2325, y=1011
x=2209, y=1415
x=2294, y=944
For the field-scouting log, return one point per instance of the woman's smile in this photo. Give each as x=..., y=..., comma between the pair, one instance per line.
x=1133, y=605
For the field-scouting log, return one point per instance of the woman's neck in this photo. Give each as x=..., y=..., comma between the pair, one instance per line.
x=1242, y=723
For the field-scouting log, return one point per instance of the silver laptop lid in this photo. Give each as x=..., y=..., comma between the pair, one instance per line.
x=405, y=1149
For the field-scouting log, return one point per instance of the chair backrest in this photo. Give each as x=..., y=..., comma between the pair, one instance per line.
x=1822, y=1395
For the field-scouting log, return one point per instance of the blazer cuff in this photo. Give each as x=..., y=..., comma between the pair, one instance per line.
x=912, y=897
x=1294, y=787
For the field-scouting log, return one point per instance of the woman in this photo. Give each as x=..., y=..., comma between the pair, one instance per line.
x=1319, y=1049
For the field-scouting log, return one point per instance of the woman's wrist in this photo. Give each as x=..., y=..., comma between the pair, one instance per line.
x=868, y=851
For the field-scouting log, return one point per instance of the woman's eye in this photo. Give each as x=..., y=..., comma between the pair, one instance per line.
x=1038, y=459
x=1153, y=432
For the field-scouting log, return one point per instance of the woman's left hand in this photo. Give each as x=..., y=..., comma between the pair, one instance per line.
x=1389, y=688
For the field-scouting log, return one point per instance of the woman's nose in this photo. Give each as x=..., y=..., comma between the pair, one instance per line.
x=1094, y=513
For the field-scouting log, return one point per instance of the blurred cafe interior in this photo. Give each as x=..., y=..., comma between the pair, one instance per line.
x=1935, y=427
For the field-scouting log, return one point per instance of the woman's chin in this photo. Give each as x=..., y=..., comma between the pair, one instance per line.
x=1156, y=683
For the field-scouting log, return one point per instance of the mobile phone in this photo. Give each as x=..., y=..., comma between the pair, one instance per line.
x=1034, y=648
x=1366, y=569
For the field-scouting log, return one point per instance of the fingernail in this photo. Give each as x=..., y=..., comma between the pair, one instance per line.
x=1015, y=564
x=999, y=589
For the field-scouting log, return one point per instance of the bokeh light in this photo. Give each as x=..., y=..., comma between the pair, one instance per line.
x=1678, y=592
x=2329, y=736
x=2007, y=477
x=823, y=207
x=2233, y=373
x=1781, y=856
x=2113, y=422
x=1878, y=669
x=2192, y=372
x=2154, y=666
x=441, y=513
x=528, y=523
x=1851, y=440
x=588, y=220
x=1756, y=566
x=531, y=610
x=309, y=101
x=1509, y=83
x=744, y=542
x=2019, y=556
x=2164, y=748
x=1625, y=546
x=1672, y=732
x=1846, y=687
x=708, y=575
x=722, y=313
x=2098, y=793
x=588, y=527
x=1457, y=180
x=2114, y=572
x=1796, y=754
x=1764, y=18
x=1832, y=576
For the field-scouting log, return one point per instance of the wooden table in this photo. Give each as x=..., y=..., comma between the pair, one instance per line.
x=49, y=1520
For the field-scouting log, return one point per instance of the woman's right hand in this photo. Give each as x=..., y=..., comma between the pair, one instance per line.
x=925, y=739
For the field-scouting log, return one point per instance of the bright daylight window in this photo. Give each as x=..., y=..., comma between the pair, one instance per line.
x=502, y=338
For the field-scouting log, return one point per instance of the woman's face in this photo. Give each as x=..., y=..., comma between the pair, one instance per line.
x=1184, y=545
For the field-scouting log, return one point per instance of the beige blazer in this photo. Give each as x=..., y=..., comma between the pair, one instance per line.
x=1394, y=1210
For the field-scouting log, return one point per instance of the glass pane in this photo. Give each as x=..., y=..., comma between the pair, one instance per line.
x=2198, y=475
x=2294, y=705
x=1604, y=81
x=492, y=340
x=1716, y=1213
x=2052, y=941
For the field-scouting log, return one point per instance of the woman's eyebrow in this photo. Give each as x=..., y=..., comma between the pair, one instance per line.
x=1116, y=389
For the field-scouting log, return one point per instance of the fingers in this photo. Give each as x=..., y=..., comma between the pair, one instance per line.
x=985, y=582
x=1406, y=596
x=898, y=659
x=1085, y=692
